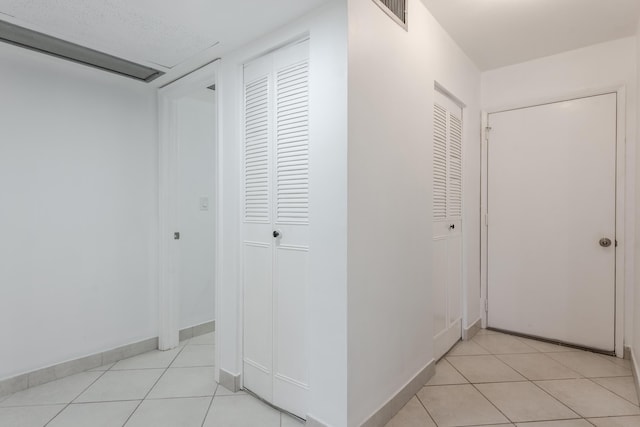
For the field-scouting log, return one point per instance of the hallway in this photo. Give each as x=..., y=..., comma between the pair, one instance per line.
x=498, y=379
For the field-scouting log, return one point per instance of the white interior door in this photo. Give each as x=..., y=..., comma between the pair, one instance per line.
x=276, y=227
x=447, y=223
x=551, y=199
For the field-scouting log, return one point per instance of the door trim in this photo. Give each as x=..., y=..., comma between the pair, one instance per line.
x=168, y=291
x=624, y=271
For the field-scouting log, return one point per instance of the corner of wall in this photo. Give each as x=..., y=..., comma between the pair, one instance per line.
x=635, y=344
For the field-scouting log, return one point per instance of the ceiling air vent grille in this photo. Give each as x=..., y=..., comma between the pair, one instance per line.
x=396, y=9
x=43, y=43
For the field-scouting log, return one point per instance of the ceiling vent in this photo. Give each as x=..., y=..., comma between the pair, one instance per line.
x=396, y=9
x=29, y=39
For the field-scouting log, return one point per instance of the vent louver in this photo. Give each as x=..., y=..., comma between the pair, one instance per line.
x=43, y=43
x=396, y=9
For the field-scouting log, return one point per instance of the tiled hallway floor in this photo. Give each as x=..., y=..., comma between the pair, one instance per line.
x=174, y=388
x=492, y=380
x=502, y=380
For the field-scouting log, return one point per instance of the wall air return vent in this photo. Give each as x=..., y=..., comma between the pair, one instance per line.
x=29, y=39
x=396, y=9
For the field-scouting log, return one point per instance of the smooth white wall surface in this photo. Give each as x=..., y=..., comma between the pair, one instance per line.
x=391, y=91
x=78, y=189
x=327, y=299
x=602, y=66
x=635, y=308
x=196, y=134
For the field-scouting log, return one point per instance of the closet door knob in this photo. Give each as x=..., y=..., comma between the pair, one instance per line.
x=452, y=226
x=605, y=242
x=276, y=233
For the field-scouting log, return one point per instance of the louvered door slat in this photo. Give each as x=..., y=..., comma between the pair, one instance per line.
x=439, y=162
x=256, y=151
x=454, y=204
x=292, y=144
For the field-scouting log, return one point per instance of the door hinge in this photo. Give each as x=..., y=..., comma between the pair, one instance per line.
x=176, y=235
x=486, y=305
x=487, y=130
x=486, y=220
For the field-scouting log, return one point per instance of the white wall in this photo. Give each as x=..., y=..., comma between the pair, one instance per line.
x=78, y=189
x=196, y=135
x=602, y=66
x=327, y=299
x=636, y=302
x=391, y=92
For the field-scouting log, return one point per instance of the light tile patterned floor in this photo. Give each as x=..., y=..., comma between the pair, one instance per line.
x=503, y=380
x=174, y=388
x=493, y=380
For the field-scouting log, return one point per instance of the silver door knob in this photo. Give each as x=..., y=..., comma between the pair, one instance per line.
x=605, y=242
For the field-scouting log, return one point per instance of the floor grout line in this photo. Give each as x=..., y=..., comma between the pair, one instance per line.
x=611, y=391
x=78, y=395
x=157, y=369
x=557, y=399
x=206, y=414
x=425, y=408
x=153, y=386
x=492, y=404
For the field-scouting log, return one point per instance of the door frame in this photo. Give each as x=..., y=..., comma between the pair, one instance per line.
x=168, y=175
x=625, y=171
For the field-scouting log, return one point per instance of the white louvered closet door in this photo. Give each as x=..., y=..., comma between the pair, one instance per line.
x=276, y=227
x=447, y=223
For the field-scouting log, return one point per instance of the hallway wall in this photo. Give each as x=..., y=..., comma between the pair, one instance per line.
x=78, y=191
x=602, y=66
x=391, y=93
x=636, y=302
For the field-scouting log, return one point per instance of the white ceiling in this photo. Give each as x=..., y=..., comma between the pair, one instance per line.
x=496, y=33
x=170, y=35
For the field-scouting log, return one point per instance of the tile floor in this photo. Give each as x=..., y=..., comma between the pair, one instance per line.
x=492, y=380
x=502, y=380
x=172, y=388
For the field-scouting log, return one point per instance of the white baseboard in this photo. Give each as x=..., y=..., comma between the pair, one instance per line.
x=387, y=411
x=71, y=367
x=634, y=368
x=468, y=333
x=312, y=422
x=230, y=381
x=197, y=330
x=75, y=366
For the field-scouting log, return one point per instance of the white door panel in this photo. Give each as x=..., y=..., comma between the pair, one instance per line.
x=447, y=223
x=291, y=376
x=276, y=219
x=257, y=333
x=440, y=269
x=454, y=273
x=551, y=197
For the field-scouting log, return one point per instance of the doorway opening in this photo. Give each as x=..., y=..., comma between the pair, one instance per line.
x=189, y=207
